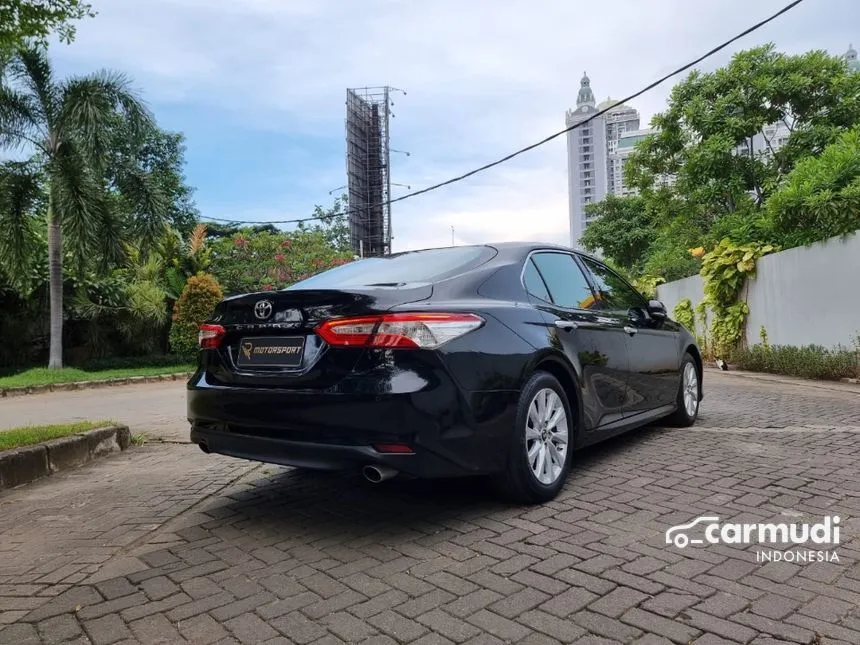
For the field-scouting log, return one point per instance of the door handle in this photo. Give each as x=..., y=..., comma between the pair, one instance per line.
x=632, y=331
x=582, y=324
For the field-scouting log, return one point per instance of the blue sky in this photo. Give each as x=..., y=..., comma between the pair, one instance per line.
x=258, y=88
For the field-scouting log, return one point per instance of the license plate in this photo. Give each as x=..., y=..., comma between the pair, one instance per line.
x=271, y=351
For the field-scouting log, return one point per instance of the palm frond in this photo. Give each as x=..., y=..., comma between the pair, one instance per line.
x=146, y=302
x=20, y=193
x=87, y=308
x=31, y=68
x=94, y=107
x=20, y=119
x=80, y=201
x=147, y=203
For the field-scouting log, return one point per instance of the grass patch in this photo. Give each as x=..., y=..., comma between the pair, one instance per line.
x=44, y=376
x=125, y=362
x=809, y=361
x=29, y=435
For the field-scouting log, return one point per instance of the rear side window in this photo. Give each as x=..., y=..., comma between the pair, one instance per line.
x=534, y=283
x=566, y=284
x=430, y=265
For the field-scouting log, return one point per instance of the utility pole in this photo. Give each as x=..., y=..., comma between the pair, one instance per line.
x=452, y=235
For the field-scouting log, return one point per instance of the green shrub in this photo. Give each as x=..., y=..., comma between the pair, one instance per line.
x=809, y=361
x=199, y=297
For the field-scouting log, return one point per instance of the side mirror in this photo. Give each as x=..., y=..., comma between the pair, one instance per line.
x=657, y=309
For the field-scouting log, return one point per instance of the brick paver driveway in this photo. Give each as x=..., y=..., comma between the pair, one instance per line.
x=165, y=545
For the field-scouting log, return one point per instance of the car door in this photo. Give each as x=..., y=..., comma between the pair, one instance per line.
x=652, y=346
x=593, y=341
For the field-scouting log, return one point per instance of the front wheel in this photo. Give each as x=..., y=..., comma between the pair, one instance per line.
x=688, y=395
x=541, y=449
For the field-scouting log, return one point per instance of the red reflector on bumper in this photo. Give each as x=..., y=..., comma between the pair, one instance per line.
x=396, y=448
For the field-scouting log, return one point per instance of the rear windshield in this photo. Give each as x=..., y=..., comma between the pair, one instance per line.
x=430, y=265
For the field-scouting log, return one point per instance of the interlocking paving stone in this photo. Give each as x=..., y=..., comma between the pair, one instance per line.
x=217, y=550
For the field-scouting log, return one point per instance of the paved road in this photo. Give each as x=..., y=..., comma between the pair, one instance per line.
x=158, y=409
x=163, y=544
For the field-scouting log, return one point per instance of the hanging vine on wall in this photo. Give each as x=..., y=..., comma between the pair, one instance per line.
x=725, y=271
x=704, y=339
x=684, y=314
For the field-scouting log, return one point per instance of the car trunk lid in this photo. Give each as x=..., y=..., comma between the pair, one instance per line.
x=270, y=338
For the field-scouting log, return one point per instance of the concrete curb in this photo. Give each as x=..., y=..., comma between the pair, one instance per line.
x=86, y=385
x=26, y=464
x=842, y=385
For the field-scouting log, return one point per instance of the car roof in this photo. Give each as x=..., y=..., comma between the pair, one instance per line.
x=517, y=250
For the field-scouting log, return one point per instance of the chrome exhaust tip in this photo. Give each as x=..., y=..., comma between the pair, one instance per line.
x=376, y=474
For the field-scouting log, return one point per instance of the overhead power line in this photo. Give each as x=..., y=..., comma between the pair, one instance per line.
x=537, y=144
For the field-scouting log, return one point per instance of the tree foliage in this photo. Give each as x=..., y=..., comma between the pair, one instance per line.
x=258, y=258
x=820, y=197
x=623, y=232
x=69, y=126
x=21, y=20
x=699, y=181
x=159, y=156
x=702, y=139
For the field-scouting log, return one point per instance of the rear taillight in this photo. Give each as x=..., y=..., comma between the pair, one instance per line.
x=210, y=336
x=394, y=448
x=405, y=331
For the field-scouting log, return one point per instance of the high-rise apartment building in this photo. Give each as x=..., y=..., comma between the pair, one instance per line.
x=593, y=170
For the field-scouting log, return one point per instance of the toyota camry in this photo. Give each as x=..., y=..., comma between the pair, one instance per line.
x=496, y=360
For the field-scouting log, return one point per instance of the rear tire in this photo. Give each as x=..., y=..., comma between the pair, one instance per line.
x=540, y=454
x=687, y=400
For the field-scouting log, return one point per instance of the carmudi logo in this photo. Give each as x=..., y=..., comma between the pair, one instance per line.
x=708, y=529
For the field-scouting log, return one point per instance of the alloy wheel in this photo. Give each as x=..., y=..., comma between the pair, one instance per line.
x=690, y=388
x=546, y=436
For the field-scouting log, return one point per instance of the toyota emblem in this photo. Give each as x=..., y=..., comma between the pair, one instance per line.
x=263, y=309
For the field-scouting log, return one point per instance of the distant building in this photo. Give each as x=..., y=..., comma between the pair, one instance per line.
x=626, y=143
x=593, y=170
x=769, y=140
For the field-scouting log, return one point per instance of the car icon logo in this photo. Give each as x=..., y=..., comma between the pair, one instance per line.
x=677, y=534
x=263, y=309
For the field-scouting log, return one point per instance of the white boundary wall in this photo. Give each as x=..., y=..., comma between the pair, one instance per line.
x=803, y=296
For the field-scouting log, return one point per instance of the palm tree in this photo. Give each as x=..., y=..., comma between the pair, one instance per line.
x=70, y=126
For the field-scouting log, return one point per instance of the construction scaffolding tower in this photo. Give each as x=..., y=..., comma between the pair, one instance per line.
x=367, y=170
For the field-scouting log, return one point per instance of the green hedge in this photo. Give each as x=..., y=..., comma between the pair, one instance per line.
x=809, y=361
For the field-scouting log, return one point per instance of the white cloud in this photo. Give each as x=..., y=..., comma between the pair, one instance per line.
x=484, y=77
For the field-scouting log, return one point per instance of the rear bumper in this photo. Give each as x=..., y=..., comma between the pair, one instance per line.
x=452, y=433
x=423, y=463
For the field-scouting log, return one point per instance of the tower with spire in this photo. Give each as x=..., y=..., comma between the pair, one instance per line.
x=851, y=58
x=592, y=168
x=585, y=96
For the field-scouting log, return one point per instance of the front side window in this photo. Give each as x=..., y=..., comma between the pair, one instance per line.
x=565, y=281
x=614, y=293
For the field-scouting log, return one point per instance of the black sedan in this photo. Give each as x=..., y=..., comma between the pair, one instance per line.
x=474, y=360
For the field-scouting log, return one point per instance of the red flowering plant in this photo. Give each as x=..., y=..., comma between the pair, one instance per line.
x=255, y=261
